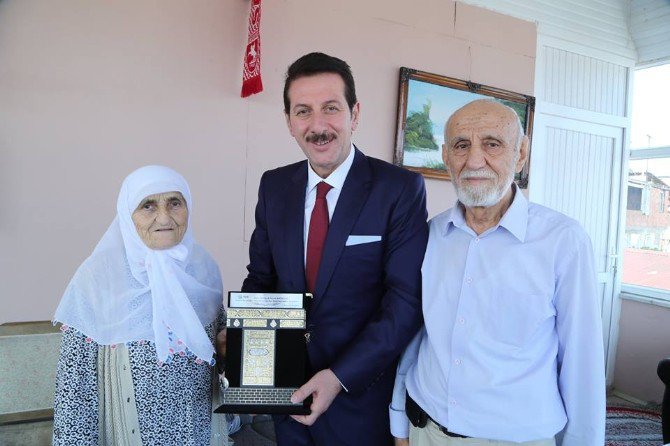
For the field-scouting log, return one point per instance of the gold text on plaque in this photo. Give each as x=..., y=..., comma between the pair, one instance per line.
x=258, y=358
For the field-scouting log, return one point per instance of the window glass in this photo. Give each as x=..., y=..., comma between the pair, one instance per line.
x=646, y=257
x=649, y=123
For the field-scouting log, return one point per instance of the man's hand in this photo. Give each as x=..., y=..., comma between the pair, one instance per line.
x=324, y=387
x=400, y=441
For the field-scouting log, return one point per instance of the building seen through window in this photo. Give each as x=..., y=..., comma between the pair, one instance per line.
x=647, y=254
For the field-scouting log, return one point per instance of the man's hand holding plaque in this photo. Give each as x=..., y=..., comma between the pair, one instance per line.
x=323, y=387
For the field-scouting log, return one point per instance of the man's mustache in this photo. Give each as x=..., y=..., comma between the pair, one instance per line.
x=320, y=137
x=479, y=174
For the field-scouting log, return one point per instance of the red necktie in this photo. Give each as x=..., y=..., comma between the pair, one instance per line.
x=316, y=238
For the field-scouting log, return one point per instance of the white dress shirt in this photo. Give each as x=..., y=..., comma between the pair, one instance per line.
x=512, y=348
x=336, y=180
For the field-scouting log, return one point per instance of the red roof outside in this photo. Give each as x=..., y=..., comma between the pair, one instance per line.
x=648, y=268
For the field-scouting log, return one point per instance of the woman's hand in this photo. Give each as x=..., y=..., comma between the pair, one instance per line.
x=221, y=351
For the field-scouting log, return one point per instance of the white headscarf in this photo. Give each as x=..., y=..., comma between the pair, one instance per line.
x=127, y=292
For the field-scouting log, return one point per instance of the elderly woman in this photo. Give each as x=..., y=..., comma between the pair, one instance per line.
x=139, y=319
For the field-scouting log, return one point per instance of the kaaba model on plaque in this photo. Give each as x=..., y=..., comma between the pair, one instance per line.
x=266, y=353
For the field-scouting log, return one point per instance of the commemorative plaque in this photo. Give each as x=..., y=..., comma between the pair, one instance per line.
x=266, y=353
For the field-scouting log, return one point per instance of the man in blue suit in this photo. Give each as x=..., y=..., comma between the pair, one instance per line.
x=356, y=242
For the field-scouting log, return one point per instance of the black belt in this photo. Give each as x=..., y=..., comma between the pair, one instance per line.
x=419, y=418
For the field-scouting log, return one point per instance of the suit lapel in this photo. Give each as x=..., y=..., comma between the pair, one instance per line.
x=352, y=198
x=294, y=227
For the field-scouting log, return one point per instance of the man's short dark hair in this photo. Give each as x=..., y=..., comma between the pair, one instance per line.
x=316, y=63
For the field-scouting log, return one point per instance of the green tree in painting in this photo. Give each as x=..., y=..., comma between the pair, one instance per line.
x=419, y=130
x=519, y=108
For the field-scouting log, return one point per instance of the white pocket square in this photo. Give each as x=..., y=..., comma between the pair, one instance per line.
x=360, y=239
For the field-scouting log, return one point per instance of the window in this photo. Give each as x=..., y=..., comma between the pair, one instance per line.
x=634, y=198
x=646, y=257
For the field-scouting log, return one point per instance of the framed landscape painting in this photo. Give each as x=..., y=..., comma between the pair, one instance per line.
x=425, y=102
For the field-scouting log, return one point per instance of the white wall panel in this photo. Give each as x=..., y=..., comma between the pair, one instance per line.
x=599, y=24
x=583, y=82
x=649, y=25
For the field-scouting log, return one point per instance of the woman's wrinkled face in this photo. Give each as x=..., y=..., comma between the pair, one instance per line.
x=161, y=220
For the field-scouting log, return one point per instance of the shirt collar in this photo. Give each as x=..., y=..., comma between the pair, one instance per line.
x=336, y=178
x=515, y=219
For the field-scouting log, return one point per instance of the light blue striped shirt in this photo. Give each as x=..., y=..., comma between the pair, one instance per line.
x=512, y=348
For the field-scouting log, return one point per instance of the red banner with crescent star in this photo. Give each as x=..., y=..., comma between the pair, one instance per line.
x=251, y=81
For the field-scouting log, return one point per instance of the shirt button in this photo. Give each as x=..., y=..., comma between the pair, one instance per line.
x=468, y=280
x=452, y=402
x=477, y=240
x=461, y=321
x=458, y=362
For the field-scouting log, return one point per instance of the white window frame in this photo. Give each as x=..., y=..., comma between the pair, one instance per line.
x=638, y=293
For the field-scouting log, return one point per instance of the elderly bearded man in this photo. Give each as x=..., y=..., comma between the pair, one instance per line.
x=512, y=350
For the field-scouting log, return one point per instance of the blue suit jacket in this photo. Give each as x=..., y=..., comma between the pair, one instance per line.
x=366, y=305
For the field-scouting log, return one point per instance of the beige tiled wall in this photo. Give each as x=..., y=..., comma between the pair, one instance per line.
x=28, y=358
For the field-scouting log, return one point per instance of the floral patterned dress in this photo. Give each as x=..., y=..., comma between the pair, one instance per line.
x=174, y=402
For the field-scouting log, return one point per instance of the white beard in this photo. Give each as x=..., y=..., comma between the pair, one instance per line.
x=484, y=195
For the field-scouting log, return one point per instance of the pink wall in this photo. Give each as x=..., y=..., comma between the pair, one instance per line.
x=644, y=339
x=90, y=91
